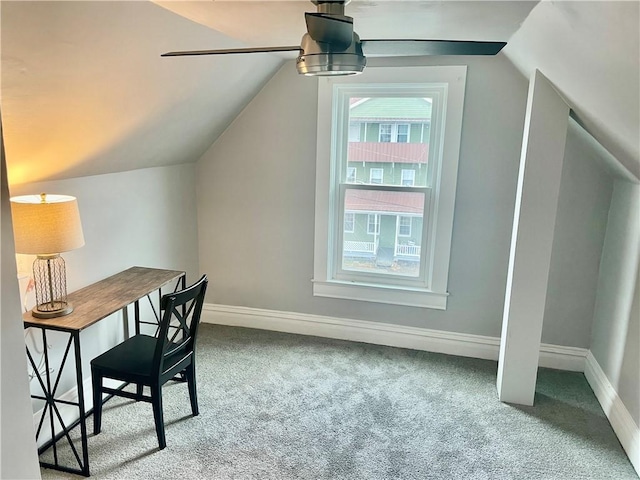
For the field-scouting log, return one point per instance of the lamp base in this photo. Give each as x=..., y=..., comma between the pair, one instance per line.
x=52, y=310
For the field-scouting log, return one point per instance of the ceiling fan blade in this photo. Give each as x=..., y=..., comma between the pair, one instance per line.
x=430, y=47
x=334, y=29
x=228, y=51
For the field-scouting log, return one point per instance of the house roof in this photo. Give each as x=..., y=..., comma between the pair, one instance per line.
x=373, y=201
x=388, y=152
x=389, y=108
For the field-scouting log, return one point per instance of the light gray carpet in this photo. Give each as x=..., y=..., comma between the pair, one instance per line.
x=280, y=406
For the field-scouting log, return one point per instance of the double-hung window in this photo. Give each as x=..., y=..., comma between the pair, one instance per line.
x=404, y=226
x=402, y=257
x=352, y=173
x=376, y=176
x=394, y=132
x=349, y=222
x=407, y=177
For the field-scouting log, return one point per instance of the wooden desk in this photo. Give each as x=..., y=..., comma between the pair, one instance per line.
x=91, y=304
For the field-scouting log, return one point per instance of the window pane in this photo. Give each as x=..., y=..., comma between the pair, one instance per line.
x=404, y=228
x=385, y=133
x=376, y=176
x=408, y=177
x=383, y=240
x=351, y=174
x=349, y=222
x=402, y=133
x=393, y=135
x=354, y=132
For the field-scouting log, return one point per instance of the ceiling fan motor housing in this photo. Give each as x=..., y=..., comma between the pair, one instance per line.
x=320, y=58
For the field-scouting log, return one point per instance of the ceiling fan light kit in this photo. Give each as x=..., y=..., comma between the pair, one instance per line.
x=318, y=58
x=331, y=47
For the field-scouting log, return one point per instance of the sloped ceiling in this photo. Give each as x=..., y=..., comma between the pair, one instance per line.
x=591, y=52
x=84, y=90
x=278, y=22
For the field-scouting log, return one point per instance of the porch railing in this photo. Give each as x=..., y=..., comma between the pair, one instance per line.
x=408, y=250
x=359, y=247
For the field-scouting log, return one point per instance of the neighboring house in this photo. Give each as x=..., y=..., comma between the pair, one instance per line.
x=388, y=144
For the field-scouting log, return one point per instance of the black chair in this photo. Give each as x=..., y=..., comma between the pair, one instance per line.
x=153, y=361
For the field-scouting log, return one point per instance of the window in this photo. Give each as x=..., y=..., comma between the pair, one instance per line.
x=404, y=227
x=351, y=174
x=373, y=224
x=402, y=133
x=409, y=223
x=385, y=133
x=407, y=177
x=349, y=222
x=376, y=175
x=354, y=132
x=393, y=132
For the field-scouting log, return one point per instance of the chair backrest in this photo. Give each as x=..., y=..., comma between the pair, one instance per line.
x=179, y=325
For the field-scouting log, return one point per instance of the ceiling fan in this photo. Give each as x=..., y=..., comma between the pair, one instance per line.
x=331, y=47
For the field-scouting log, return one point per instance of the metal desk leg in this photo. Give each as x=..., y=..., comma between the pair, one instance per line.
x=51, y=407
x=83, y=416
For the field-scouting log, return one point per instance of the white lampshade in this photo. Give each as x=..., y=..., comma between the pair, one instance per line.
x=46, y=224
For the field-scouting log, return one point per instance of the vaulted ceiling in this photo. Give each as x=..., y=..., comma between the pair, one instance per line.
x=84, y=90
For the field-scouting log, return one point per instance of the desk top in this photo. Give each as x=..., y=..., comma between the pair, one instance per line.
x=99, y=300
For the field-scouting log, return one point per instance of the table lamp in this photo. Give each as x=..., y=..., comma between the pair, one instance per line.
x=47, y=225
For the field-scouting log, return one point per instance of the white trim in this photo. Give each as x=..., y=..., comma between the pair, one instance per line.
x=451, y=343
x=621, y=420
x=389, y=294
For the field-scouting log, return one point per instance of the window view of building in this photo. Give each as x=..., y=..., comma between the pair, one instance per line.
x=388, y=144
x=386, y=165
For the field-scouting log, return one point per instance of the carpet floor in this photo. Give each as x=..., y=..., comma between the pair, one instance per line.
x=282, y=406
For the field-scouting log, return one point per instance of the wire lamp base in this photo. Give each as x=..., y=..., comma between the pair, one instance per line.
x=50, y=278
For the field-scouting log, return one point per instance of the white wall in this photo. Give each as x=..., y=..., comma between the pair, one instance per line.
x=142, y=217
x=256, y=204
x=581, y=221
x=616, y=340
x=18, y=457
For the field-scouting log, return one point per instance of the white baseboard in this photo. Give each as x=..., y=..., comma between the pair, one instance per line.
x=461, y=344
x=623, y=424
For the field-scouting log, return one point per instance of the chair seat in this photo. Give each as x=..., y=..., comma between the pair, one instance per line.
x=133, y=356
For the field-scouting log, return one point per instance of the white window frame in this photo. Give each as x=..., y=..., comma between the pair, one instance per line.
x=444, y=83
x=376, y=224
x=352, y=215
x=400, y=217
x=412, y=177
x=351, y=170
x=390, y=133
x=354, y=129
x=381, y=170
x=397, y=127
x=393, y=132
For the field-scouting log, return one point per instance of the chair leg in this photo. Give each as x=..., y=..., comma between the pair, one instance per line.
x=97, y=401
x=139, y=390
x=190, y=373
x=156, y=395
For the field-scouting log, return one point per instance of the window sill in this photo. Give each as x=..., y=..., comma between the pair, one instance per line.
x=412, y=297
